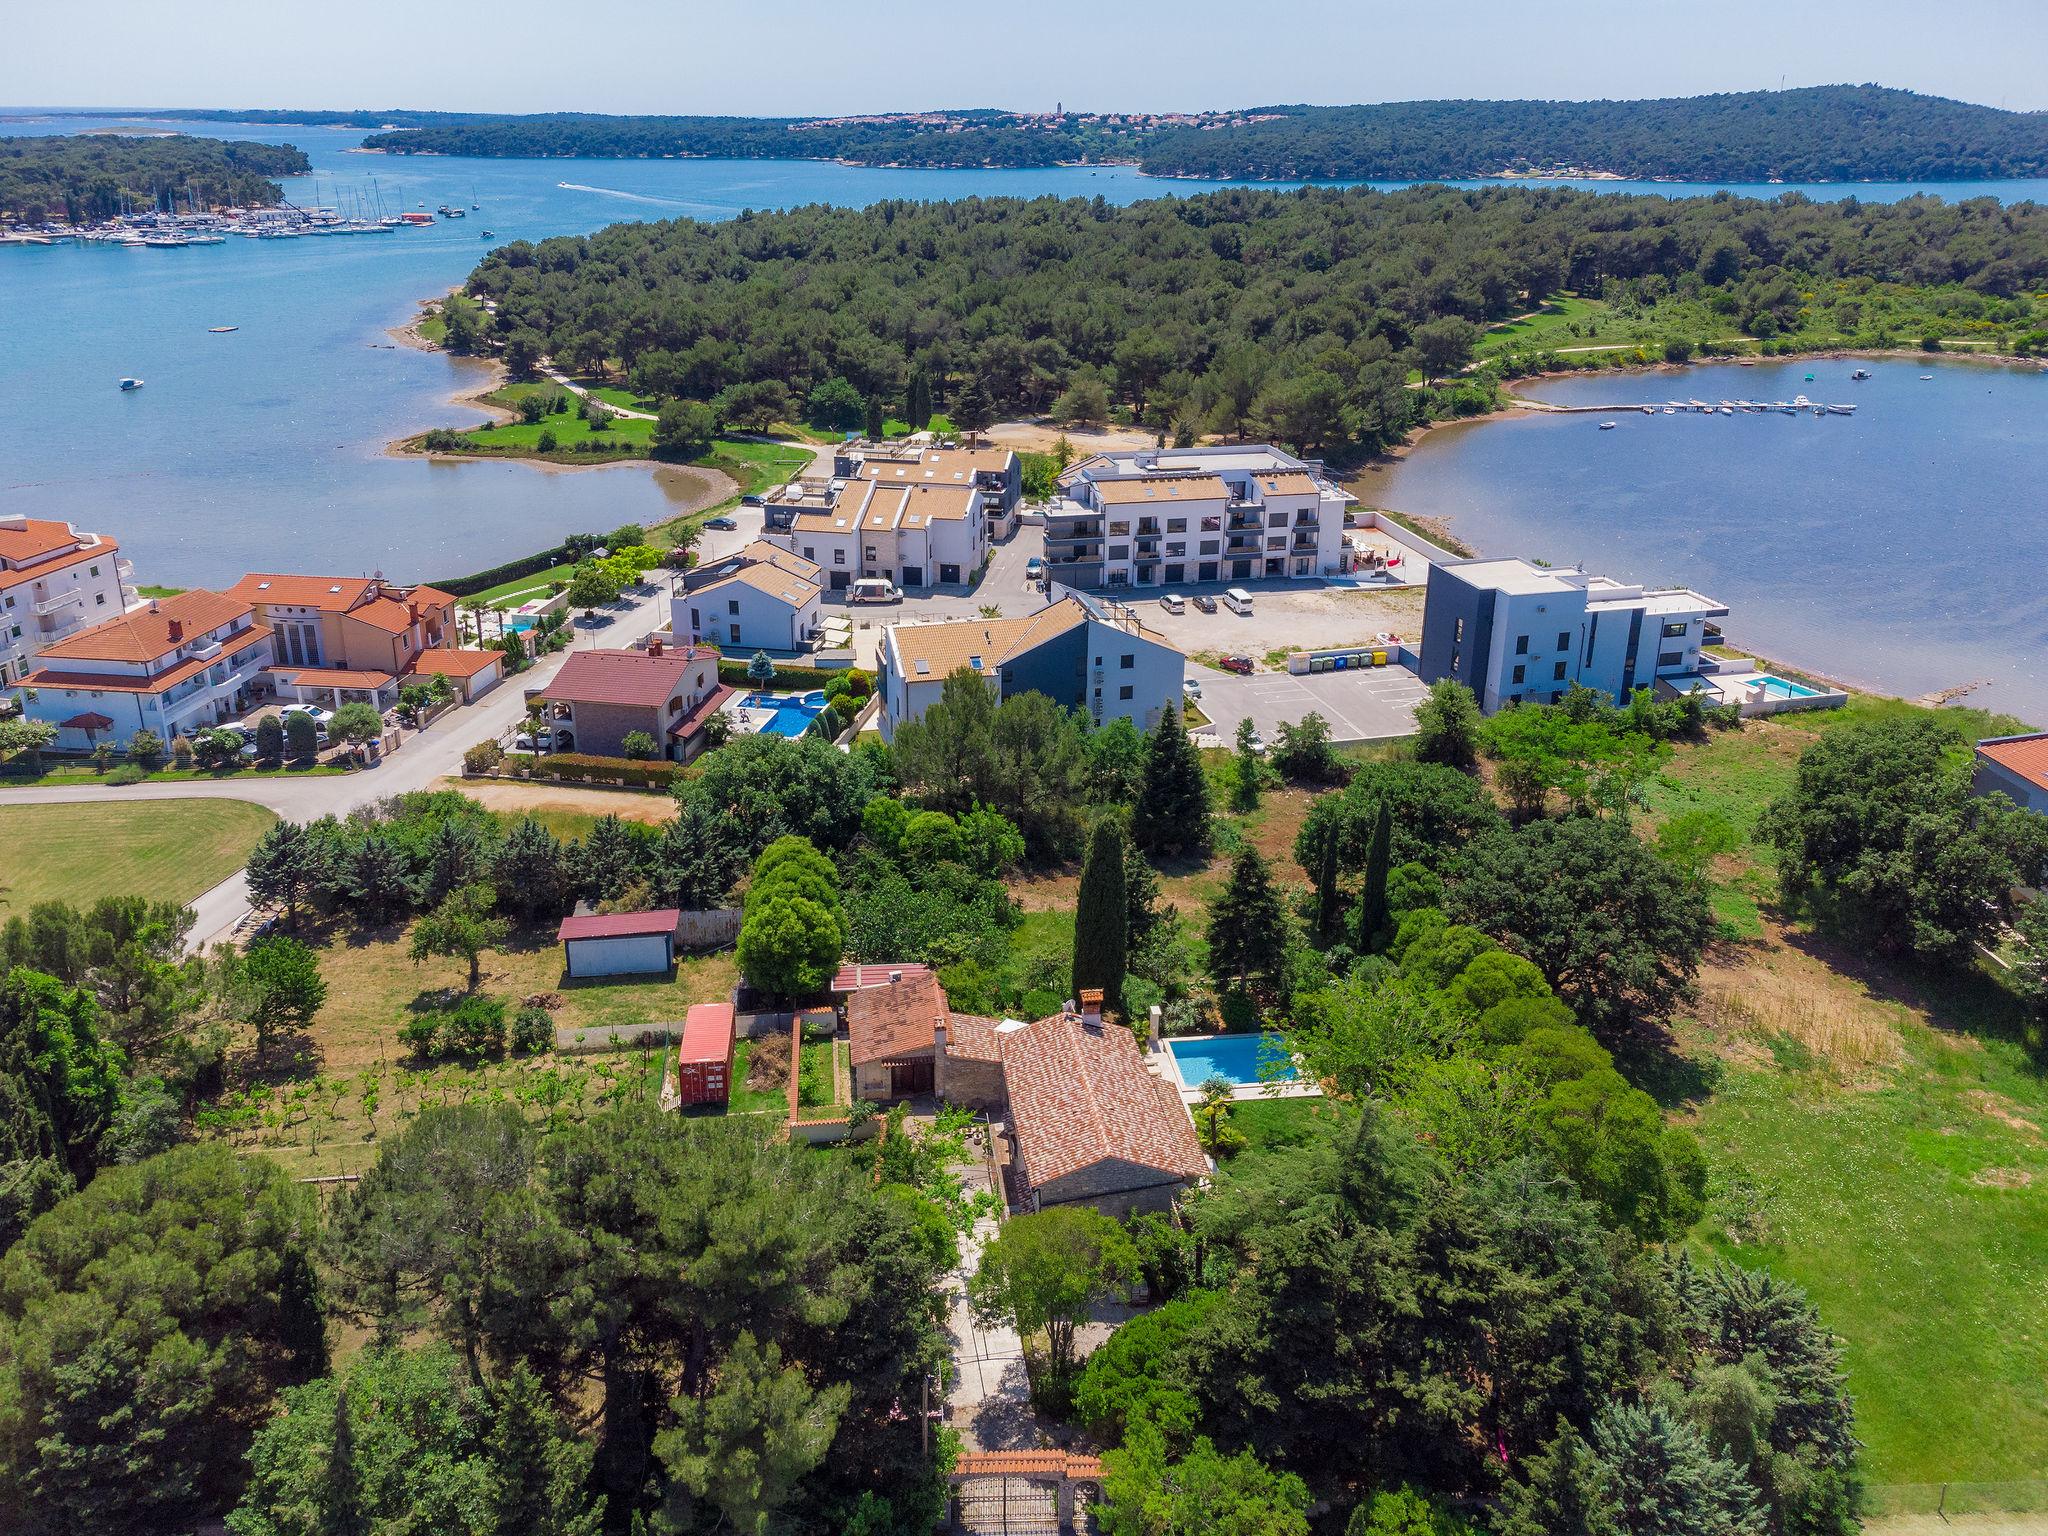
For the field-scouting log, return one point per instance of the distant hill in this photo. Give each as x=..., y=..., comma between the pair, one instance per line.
x=85, y=177
x=1821, y=133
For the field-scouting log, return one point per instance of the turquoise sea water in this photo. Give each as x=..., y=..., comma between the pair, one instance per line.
x=1902, y=548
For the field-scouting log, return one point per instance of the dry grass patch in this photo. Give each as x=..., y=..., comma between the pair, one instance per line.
x=1771, y=999
x=561, y=803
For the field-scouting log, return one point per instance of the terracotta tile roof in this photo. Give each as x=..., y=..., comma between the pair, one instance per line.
x=2026, y=756
x=1288, y=482
x=939, y=466
x=616, y=925
x=972, y=1036
x=946, y=648
x=1080, y=1096
x=1158, y=488
x=156, y=682
x=385, y=613
x=333, y=594
x=441, y=662
x=144, y=634
x=431, y=597
x=773, y=581
x=703, y=710
x=894, y=1019
x=623, y=677
x=35, y=539
x=333, y=677
x=851, y=978
x=761, y=552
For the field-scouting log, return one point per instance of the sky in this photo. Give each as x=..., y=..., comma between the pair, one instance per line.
x=799, y=57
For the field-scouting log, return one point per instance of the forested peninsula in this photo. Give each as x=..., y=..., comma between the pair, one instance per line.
x=1820, y=133
x=1307, y=315
x=86, y=177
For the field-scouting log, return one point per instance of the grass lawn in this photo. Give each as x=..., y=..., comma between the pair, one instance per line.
x=61, y=770
x=1548, y=326
x=1268, y=1123
x=167, y=849
x=626, y=436
x=1874, y=1133
x=818, y=1078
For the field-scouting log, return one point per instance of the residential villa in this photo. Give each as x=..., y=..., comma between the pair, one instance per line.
x=996, y=472
x=2016, y=766
x=1086, y=1120
x=599, y=698
x=1081, y=651
x=360, y=638
x=1514, y=631
x=1165, y=518
x=761, y=599
x=54, y=582
x=175, y=666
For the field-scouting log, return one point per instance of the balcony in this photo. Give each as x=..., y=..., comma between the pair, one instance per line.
x=1243, y=544
x=1072, y=532
x=1305, y=539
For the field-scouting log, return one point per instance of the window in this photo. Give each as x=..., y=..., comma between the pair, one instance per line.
x=1454, y=658
x=1564, y=640
x=1177, y=547
x=1557, y=672
x=1128, y=661
x=93, y=571
x=1277, y=520
x=1125, y=693
x=1519, y=671
x=1670, y=658
x=1176, y=525
x=839, y=557
x=735, y=634
x=732, y=605
x=1521, y=645
x=1458, y=630
x=1211, y=546
x=99, y=599
x=810, y=553
x=1674, y=631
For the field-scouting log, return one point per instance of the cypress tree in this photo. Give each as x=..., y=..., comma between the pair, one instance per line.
x=873, y=424
x=1245, y=787
x=1101, y=918
x=1172, y=813
x=1247, y=926
x=1372, y=902
x=341, y=1496
x=1327, y=897
x=917, y=403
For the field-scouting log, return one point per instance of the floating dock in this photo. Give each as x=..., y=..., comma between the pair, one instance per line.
x=1799, y=407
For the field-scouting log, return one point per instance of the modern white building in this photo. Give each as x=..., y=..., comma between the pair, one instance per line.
x=1164, y=518
x=1511, y=630
x=54, y=582
x=996, y=472
x=1079, y=651
x=762, y=599
x=176, y=666
x=916, y=533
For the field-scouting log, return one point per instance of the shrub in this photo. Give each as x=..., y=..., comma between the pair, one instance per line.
x=270, y=738
x=146, y=748
x=533, y=1031
x=475, y=1028
x=484, y=757
x=639, y=746
x=422, y=1035
x=548, y=442
x=577, y=767
x=127, y=773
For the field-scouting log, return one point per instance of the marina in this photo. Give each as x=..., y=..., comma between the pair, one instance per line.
x=1797, y=406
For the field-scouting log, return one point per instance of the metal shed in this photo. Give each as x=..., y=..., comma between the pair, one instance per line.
x=621, y=944
x=704, y=1059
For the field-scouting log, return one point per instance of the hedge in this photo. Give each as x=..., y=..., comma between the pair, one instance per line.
x=578, y=767
x=511, y=570
x=787, y=677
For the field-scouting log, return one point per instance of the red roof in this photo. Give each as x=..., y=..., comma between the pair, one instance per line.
x=2026, y=756
x=707, y=1033
x=89, y=721
x=693, y=722
x=619, y=925
x=1080, y=1096
x=851, y=978
x=450, y=663
x=623, y=677
x=896, y=1019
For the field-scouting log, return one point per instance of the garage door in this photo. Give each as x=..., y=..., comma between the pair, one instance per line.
x=631, y=955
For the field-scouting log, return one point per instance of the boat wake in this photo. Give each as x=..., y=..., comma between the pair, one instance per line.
x=633, y=197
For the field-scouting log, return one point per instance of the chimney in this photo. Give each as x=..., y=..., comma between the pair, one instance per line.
x=939, y=1056
x=177, y=630
x=894, y=977
x=1091, y=1007
x=654, y=645
x=1152, y=1026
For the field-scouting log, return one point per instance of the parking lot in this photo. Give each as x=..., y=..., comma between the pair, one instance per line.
x=1371, y=705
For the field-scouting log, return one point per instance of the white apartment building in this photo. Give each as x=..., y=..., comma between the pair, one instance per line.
x=762, y=599
x=1510, y=630
x=177, y=666
x=996, y=472
x=916, y=533
x=1166, y=518
x=54, y=581
x=1079, y=651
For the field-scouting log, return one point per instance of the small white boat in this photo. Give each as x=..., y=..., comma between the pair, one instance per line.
x=127, y=384
x=1926, y=376
x=1670, y=410
x=1727, y=410
x=221, y=330
x=1606, y=426
x=1649, y=410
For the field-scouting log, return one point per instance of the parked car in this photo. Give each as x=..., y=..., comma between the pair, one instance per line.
x=725, y=524
x=1205, y=603
x=1173, y=602
x=525, y=743
x=313, y=712
x=751, y=500
x=1238, y=664
x=1034, y=569
x=1190, y=688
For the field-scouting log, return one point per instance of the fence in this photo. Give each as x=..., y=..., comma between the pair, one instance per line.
x=708, y=930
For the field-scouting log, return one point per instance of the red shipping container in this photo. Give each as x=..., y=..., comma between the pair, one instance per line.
x=704, y=1059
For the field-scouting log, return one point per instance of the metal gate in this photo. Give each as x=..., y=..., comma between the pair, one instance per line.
x=1008, y=1506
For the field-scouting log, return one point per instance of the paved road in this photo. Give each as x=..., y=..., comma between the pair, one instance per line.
x=422, y=758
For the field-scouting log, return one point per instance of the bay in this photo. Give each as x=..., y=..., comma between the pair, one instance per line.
x=1901, y=548
x=265, y=448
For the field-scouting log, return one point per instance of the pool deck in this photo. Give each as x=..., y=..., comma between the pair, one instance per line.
x=1754, y=691
x=1164, y=1063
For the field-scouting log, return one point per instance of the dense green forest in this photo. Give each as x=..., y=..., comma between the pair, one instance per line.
x=1821, y=133
x=1301, y=314
x=84, y=177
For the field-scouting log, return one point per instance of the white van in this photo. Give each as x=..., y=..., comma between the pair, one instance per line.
x=873, y=589
x=1237, y=600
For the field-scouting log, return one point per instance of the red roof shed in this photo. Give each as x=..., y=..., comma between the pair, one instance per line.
x=704, y=1059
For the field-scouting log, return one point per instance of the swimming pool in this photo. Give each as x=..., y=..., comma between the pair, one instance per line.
x=1235, y=1058
x=518, y=626
x=1780, y=688
x=789, y=714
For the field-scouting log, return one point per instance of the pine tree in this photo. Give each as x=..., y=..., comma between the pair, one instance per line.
x=286, y=868
x=1246, y=768
x=455, y=858
x=1661, y=1476
x=917, y=403
x=1172, y=813
x=1559, y=1492
x=1102, y=917
x=529, y=871
x=1142, y=916
x=1372, y=901
x=1248, y=927
x=872, y=427
x=1328, y=898
x=974, y=410
x=610, y=860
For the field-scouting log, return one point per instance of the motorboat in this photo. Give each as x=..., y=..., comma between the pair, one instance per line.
x=1860, y=373
x=221, y=330
x=128, y=384
x=1606, y=426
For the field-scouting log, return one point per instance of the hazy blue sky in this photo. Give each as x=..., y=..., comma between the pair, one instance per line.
x=775, y=57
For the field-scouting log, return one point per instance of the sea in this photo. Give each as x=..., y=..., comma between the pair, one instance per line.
x=265, y=448
x=1902, y=548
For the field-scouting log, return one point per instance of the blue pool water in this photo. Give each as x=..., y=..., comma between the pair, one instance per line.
x=1235, y=1058
x=518, y=626
x=1781, y=688
x=793, y=712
